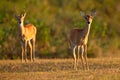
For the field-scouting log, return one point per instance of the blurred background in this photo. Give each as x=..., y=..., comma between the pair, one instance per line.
x=53, y=20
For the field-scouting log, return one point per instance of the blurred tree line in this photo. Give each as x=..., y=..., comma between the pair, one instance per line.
x=54, y=19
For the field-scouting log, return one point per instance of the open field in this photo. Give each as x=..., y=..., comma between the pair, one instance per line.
x=60, y=69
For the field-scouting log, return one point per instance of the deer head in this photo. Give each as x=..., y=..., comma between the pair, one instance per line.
x=88, y=18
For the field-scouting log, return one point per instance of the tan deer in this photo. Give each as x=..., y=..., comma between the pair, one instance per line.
x=27, y=35
x=78, y=41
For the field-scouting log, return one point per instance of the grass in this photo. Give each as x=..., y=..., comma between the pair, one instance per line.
x=60, y=69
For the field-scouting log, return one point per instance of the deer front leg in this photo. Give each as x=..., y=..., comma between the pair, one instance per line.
x=75, y=59
x=22, y=52
x=25, y=50
x=81, y=56
x=85, y=57
x=78, y=53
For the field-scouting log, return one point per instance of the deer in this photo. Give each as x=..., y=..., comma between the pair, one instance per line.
x=27, y=36
x=78, y=41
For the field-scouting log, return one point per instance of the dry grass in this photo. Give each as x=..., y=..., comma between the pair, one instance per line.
x=60, y=69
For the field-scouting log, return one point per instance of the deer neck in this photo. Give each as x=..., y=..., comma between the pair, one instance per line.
x=21, y=28
x=86, y=30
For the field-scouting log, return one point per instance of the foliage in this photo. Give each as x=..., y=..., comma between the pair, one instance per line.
x=54, y=19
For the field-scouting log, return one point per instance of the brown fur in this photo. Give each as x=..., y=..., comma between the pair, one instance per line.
x=26, y=34
x=30, y=31
x=78, y=41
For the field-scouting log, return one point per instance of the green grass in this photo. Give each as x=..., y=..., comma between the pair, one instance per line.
x=60, y=69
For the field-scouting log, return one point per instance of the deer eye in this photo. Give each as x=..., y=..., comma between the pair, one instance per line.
x=86, y=17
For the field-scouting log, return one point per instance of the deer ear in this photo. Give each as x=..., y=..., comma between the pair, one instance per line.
x=24, y=15
x=93, y=13
x=15, y=16
x=15, y=13
x=82, y=14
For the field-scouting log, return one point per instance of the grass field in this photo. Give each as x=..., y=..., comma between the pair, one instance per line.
x=60, y=69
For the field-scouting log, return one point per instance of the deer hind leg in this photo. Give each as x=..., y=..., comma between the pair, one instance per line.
x=81, y=56
x=75, y=59
x=33, y=45
x=85, y=57
x=30, y=45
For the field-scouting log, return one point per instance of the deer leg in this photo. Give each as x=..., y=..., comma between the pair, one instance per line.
x=33, y=44
x=85, y=57
x=30, y=45
x=22, y=53
x=25, y=50
x=75, y=60
x=81, y=56
x=78, y=49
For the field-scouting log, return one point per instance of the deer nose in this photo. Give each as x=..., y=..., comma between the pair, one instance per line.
x=88, y=22
x=19, y=22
